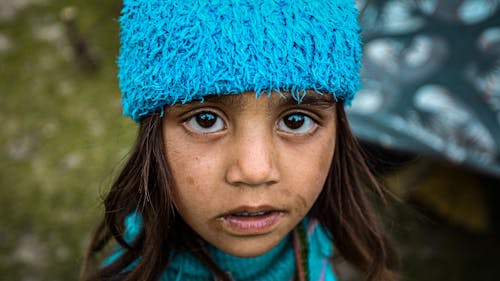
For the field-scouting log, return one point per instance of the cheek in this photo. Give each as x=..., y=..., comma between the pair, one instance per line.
x=308, y=172
x=184, y=169
x=189, y=196
x=193, y=174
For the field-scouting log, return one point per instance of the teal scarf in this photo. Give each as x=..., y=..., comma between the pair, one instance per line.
x=276, y=265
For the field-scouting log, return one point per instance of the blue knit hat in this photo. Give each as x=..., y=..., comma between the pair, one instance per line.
x=179, y=51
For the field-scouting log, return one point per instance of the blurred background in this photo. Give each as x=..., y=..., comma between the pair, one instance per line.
x=428, y=115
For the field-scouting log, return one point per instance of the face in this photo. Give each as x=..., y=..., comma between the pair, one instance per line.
x=247, y=170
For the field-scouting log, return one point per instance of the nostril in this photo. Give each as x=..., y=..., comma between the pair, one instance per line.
x=253, y=171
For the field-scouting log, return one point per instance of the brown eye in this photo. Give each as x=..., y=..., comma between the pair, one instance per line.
x=205, y=122
x=296, y=123
x=206, y=119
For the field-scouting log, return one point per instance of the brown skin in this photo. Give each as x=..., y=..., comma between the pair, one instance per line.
x=145, y=184
x=249, y=155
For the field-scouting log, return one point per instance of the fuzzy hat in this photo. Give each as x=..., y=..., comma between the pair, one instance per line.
x=179, y=51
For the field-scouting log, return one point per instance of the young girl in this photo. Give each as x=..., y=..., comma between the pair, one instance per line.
x=244, y=167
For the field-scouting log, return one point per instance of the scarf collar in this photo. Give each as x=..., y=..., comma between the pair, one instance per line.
x=279, y=263
x=276, y=264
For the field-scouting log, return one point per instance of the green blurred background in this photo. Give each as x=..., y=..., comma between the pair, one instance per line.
x=62, y=135
x=63, y=139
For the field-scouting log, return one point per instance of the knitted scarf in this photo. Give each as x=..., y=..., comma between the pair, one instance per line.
x=280, y=263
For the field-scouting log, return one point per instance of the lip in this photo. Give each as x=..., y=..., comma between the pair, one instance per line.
x=258, y=220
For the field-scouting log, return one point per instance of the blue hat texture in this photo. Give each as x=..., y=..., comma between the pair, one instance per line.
x=179, y=51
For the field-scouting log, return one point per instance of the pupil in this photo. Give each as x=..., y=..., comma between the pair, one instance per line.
x=205, y=120
x=294, y=121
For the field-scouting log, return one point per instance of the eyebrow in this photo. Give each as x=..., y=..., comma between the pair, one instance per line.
x=311, y=98
x=225, y=100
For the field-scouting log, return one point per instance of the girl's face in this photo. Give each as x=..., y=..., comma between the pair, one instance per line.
x=247, y=170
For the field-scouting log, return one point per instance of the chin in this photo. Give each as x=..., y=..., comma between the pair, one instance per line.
x=248, y=249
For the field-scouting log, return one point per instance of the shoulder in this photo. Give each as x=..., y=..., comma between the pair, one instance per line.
x=133, y=225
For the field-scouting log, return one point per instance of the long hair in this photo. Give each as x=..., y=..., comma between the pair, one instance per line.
x=344, y=208
x=144, y=184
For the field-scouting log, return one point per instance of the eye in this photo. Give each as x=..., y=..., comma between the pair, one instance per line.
x=205, y=122
x=296, y=123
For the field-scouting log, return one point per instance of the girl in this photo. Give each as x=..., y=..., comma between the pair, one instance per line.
x=244, y=167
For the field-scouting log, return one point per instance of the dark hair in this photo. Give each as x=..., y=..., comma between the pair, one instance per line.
x=343, y=208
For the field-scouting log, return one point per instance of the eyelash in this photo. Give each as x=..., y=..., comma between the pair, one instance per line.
x=192, y=123
x=305, y=118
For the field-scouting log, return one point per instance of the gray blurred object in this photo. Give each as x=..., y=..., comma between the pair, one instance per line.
x=431, y=80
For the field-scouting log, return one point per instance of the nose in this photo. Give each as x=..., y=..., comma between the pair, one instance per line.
x=253, y=161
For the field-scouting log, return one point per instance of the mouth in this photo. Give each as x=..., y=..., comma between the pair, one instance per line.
x=249, y=214
x=251, y=221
